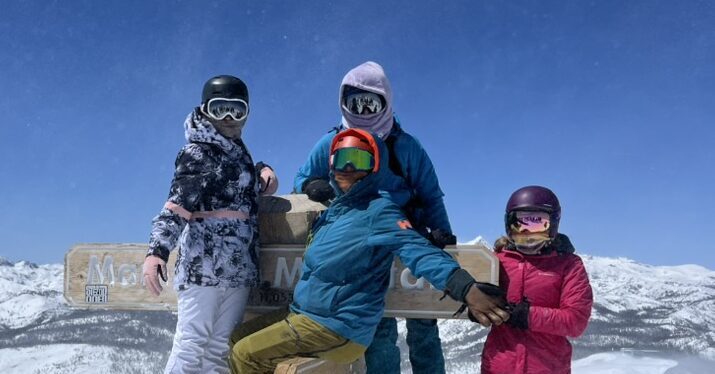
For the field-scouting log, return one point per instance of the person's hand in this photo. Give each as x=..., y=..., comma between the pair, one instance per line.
x=268, y=181
x=486, y=304
x=319, y=190
x=519, y=315
x=153, y=268
x=441, y=238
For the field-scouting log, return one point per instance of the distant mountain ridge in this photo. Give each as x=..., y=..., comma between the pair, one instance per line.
x=638, y=307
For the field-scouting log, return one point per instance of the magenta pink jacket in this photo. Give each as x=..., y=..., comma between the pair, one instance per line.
x=560, y=294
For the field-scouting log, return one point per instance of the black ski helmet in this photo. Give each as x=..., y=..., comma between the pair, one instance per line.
x=225, y=86
x=534, y=199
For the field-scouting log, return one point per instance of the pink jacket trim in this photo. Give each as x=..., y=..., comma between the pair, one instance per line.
x=185, y=214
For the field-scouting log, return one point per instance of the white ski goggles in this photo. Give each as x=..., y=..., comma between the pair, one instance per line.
x=363, y=103
x=220, y=108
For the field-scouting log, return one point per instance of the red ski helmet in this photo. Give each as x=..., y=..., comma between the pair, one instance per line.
x=356, y=138
x=534, y=199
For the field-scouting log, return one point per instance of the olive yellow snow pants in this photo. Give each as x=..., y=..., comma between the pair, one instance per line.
x=294, y=336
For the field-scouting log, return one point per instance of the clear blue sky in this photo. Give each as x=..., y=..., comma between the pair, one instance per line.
x=609, y=103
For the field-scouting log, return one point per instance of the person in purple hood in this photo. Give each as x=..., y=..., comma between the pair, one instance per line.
x=366, y=103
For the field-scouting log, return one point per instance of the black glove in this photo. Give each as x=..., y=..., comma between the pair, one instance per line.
x=319, y=190
x=471, y=316
x=441, y=238
x=489, y=290
x=519, y=315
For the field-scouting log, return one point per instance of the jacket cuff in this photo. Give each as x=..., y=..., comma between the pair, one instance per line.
x=458, y=284
x=305, y=183
x=158, y=252
x=260, y=165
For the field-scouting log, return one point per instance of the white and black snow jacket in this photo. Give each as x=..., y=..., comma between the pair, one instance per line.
x=211, y=211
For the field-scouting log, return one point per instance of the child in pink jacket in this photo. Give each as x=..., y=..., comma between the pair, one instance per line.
x=546, y=286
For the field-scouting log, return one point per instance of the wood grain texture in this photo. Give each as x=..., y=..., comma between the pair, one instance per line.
x=303, y=365
x=118, y=268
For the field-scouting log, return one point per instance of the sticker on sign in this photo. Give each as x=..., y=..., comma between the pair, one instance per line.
x=96, y=294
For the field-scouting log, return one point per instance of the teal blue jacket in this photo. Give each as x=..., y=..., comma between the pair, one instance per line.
x=418, y=184
x=346, y=268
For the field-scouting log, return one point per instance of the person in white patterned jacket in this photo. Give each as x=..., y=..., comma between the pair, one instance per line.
x=211, y=214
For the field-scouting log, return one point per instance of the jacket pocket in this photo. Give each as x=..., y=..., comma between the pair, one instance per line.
x=317, y=296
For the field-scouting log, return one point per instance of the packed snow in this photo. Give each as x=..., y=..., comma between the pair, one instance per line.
x=622, y=363
x=57, y=359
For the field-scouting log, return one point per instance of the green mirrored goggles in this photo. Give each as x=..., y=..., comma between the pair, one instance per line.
x=352, y=159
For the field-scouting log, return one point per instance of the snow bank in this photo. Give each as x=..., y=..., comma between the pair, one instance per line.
x=621, y=363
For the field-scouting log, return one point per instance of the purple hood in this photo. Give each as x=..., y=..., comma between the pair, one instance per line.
x=369, y=76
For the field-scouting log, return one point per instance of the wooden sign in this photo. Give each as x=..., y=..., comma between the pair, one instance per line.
x=286, y=219
x=304, y=365
x=109, y=276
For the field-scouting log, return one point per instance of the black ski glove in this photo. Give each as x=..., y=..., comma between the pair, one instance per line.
x=319, y=190
x=459, y=284
x=441, y=238
x=489, y=290
x=519, y=314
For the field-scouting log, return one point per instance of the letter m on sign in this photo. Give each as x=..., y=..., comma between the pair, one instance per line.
x=103, y=275
x=290, y=275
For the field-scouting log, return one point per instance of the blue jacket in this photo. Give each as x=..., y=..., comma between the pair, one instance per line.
x=419, y=186
x=346, y=269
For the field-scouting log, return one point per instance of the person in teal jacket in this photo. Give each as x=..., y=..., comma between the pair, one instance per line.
x=340, y=297
x=410, y=182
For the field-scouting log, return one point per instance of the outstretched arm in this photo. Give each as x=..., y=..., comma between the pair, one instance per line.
x=391, y=229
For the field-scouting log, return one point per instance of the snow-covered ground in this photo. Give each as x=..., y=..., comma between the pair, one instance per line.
x=90, y=359
x=57, y=358
x=622, y=363
x=464, y=357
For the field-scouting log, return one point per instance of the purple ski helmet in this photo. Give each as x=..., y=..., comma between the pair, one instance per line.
x=534, y=199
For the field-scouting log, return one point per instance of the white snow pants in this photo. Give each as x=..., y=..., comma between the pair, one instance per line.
x=207, y=316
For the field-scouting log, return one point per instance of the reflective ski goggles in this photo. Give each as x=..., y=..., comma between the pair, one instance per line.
x=363, y=103
x=220, y=108
x=352, y=159
x=529, y=222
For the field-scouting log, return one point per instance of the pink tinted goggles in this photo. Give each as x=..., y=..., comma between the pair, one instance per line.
x=530, y=222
